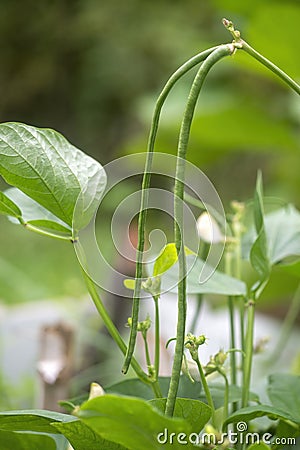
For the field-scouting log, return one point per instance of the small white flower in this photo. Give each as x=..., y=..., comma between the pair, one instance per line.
x=208, y=229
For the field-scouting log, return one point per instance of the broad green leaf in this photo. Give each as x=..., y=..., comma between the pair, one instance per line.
x=195, y=412
x=51, y=171
x=165, y=260
x=284, y=393
x=130, y=421
x=253, y=412
x=259, y=252
x=136, y=388
x=82, y=437
x=32, y=420
x=8, y=207
x=25, y=441
x=283, y=236
x=218, y=283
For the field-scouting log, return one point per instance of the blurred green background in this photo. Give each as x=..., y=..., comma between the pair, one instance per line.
x=93, y=69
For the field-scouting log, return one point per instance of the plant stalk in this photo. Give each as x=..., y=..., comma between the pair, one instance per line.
x=208, y=396
x=184, y=134
x=248, y=353
x=157, y=337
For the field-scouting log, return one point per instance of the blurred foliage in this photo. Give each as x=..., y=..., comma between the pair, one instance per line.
x=92, y=70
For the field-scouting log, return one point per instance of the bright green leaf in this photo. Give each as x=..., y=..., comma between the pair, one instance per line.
x=195, y=412
x=51, y=171
x=129, y=283
x=82, y=437
x=282, y=229
x=25, y=441
x=8, y=207
x=130, y=421
x=217, y=391
x=165, y=260
x=284, y=393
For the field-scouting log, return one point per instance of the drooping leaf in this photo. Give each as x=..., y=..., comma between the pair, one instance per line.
x=8, y=207
x=10, y=440
x=131, y=422
x=218, y=283
x=195, y=412
x=82, y=437
x=284, y=393
x=51, y=171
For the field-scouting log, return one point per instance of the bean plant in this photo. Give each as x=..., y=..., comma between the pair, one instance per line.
x=55, y=192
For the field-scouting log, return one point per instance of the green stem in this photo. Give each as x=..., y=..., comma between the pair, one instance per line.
x=214, y=57
x=271, y=66
x=111, y=327
x=148, y=360
x=248, y=353
x=145, y=194
x=42, y=232
x=208, y=396
x=226, y=396
x=157, y=337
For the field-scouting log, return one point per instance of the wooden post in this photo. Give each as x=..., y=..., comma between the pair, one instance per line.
x=55, y=364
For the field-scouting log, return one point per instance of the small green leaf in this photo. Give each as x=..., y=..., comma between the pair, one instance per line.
x=284, y=393
x=165, y=260
x=195, y=412
x=8, y=207
x=25, y=441
x=51, y=171
x=129, y=283
x=131, y=422
x=82, y=437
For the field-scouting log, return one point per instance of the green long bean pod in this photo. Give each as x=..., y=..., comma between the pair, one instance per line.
x=145, y=194
x=213, y=58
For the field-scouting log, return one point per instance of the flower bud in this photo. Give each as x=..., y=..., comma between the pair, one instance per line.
x=208, y=229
